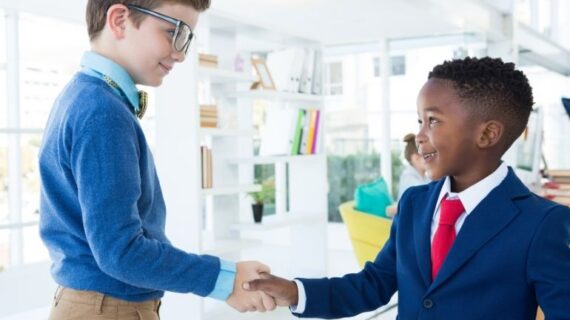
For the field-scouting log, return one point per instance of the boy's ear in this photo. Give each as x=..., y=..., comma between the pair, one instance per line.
x=490, y=134
x=117, y=16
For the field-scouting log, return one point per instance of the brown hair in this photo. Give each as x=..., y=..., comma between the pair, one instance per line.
x=96, y=13
x=411, y=147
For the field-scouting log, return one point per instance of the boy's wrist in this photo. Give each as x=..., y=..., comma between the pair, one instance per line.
x=225, y=282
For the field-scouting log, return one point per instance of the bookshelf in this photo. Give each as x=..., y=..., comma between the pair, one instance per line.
x=219, y=220
x=230, y=190
x=299, y=98
x=217, y=75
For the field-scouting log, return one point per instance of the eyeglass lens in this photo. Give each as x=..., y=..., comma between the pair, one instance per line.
x=183, y=37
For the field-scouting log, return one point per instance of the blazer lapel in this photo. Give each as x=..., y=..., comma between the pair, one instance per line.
x=491, y=216
x=426, y=203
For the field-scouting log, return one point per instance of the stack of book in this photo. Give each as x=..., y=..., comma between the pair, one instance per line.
x=208, y=116
x=558, y=189
x=207, y=176
x=208, y=60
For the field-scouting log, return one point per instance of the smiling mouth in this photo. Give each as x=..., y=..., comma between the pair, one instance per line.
x=428, y=156
x=165, y=68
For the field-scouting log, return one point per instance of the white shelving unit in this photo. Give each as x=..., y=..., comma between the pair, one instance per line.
x=279, y=221
x=299, y=98
x=215, y=132
x=218, y=221
x=277, y=159
x=216, y=75
x=230, y=190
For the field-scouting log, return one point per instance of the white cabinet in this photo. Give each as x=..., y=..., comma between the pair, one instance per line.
x=218, y=220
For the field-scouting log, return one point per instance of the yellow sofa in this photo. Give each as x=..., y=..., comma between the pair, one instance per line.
x=367, y=232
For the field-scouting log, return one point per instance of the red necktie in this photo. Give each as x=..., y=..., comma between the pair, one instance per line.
x=445, y=233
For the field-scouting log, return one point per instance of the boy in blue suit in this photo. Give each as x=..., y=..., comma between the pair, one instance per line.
x=473, y=244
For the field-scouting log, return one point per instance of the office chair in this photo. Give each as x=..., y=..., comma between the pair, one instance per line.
x=367, y=232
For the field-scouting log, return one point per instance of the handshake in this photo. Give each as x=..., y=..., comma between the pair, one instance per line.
x=255, y=289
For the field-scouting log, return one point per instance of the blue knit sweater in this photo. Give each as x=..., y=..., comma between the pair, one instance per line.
x=102, y=210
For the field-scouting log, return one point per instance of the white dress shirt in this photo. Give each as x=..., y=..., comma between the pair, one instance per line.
x=470, y=198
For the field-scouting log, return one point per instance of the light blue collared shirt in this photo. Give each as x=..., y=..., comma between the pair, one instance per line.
x=225, y=282
x=98, y=66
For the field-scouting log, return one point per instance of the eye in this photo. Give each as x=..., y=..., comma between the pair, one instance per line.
x=433, y=121
x=171, y=33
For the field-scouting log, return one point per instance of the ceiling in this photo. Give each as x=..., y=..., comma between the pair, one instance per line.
x=343, y=21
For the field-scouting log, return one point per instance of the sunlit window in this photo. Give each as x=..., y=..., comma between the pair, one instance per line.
x=545, y=17
x=4, y=248
x=3, y=100
x=46, y=65
x=397, y=63
x=524, y=11
x=30, y=199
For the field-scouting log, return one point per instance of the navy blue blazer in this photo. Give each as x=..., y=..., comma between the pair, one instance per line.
x=511, y=254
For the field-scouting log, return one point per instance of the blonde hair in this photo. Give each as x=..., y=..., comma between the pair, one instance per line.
x=96, y=12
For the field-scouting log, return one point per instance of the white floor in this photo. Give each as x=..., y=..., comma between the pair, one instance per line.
x=341, y=260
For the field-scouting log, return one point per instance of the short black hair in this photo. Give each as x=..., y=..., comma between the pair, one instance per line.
x=491, y=89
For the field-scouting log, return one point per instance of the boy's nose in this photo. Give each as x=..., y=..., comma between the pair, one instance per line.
x=420, y=138
x=178, y=56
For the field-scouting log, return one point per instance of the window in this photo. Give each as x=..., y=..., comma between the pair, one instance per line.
x=43, y=67
x=334, y=78
x=46, y=65
x=3, y=97
x=398, y=66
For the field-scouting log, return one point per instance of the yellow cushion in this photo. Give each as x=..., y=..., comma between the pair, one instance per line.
x=367, y=232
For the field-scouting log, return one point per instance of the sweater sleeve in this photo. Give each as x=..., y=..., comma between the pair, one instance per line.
x=105, y=164
x=346, y=296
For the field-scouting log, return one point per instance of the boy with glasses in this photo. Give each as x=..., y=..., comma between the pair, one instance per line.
x=102, y=210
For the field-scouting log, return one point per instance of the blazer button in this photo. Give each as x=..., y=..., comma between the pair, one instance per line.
x=428, y=303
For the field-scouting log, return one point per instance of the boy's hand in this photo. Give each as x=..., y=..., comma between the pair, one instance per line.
x=242, y=300
x=282, y=290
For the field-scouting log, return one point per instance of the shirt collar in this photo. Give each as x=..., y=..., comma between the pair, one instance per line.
x=473, y=195
x=106, y=67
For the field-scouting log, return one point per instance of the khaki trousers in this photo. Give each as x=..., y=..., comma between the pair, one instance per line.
x=69, y=304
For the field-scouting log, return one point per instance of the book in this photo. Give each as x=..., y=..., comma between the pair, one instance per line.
x=316, y=135
x=307, y=73
x=556, y=192
x=317, y=85
x=206, y=161
x=298, y=132
x=311, y=134
x=559, y=172
x=277, y=133
x=305, y=132
x=208, y=60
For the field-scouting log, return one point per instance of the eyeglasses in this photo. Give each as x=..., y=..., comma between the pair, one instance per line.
x=183, y=33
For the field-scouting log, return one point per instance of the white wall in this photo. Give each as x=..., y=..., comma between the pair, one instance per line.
x=25, y=288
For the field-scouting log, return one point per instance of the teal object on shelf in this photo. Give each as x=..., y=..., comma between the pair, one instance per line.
x=373, y=198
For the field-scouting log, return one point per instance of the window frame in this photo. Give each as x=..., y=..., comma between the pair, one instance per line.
x=13, y=132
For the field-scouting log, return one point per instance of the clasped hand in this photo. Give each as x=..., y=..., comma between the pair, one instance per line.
x=255, y=289
x=243, y=300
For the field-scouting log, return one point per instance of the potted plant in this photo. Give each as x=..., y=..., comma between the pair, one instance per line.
x=266, y=194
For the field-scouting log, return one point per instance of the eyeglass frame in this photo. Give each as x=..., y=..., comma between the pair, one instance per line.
x=178, y=23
